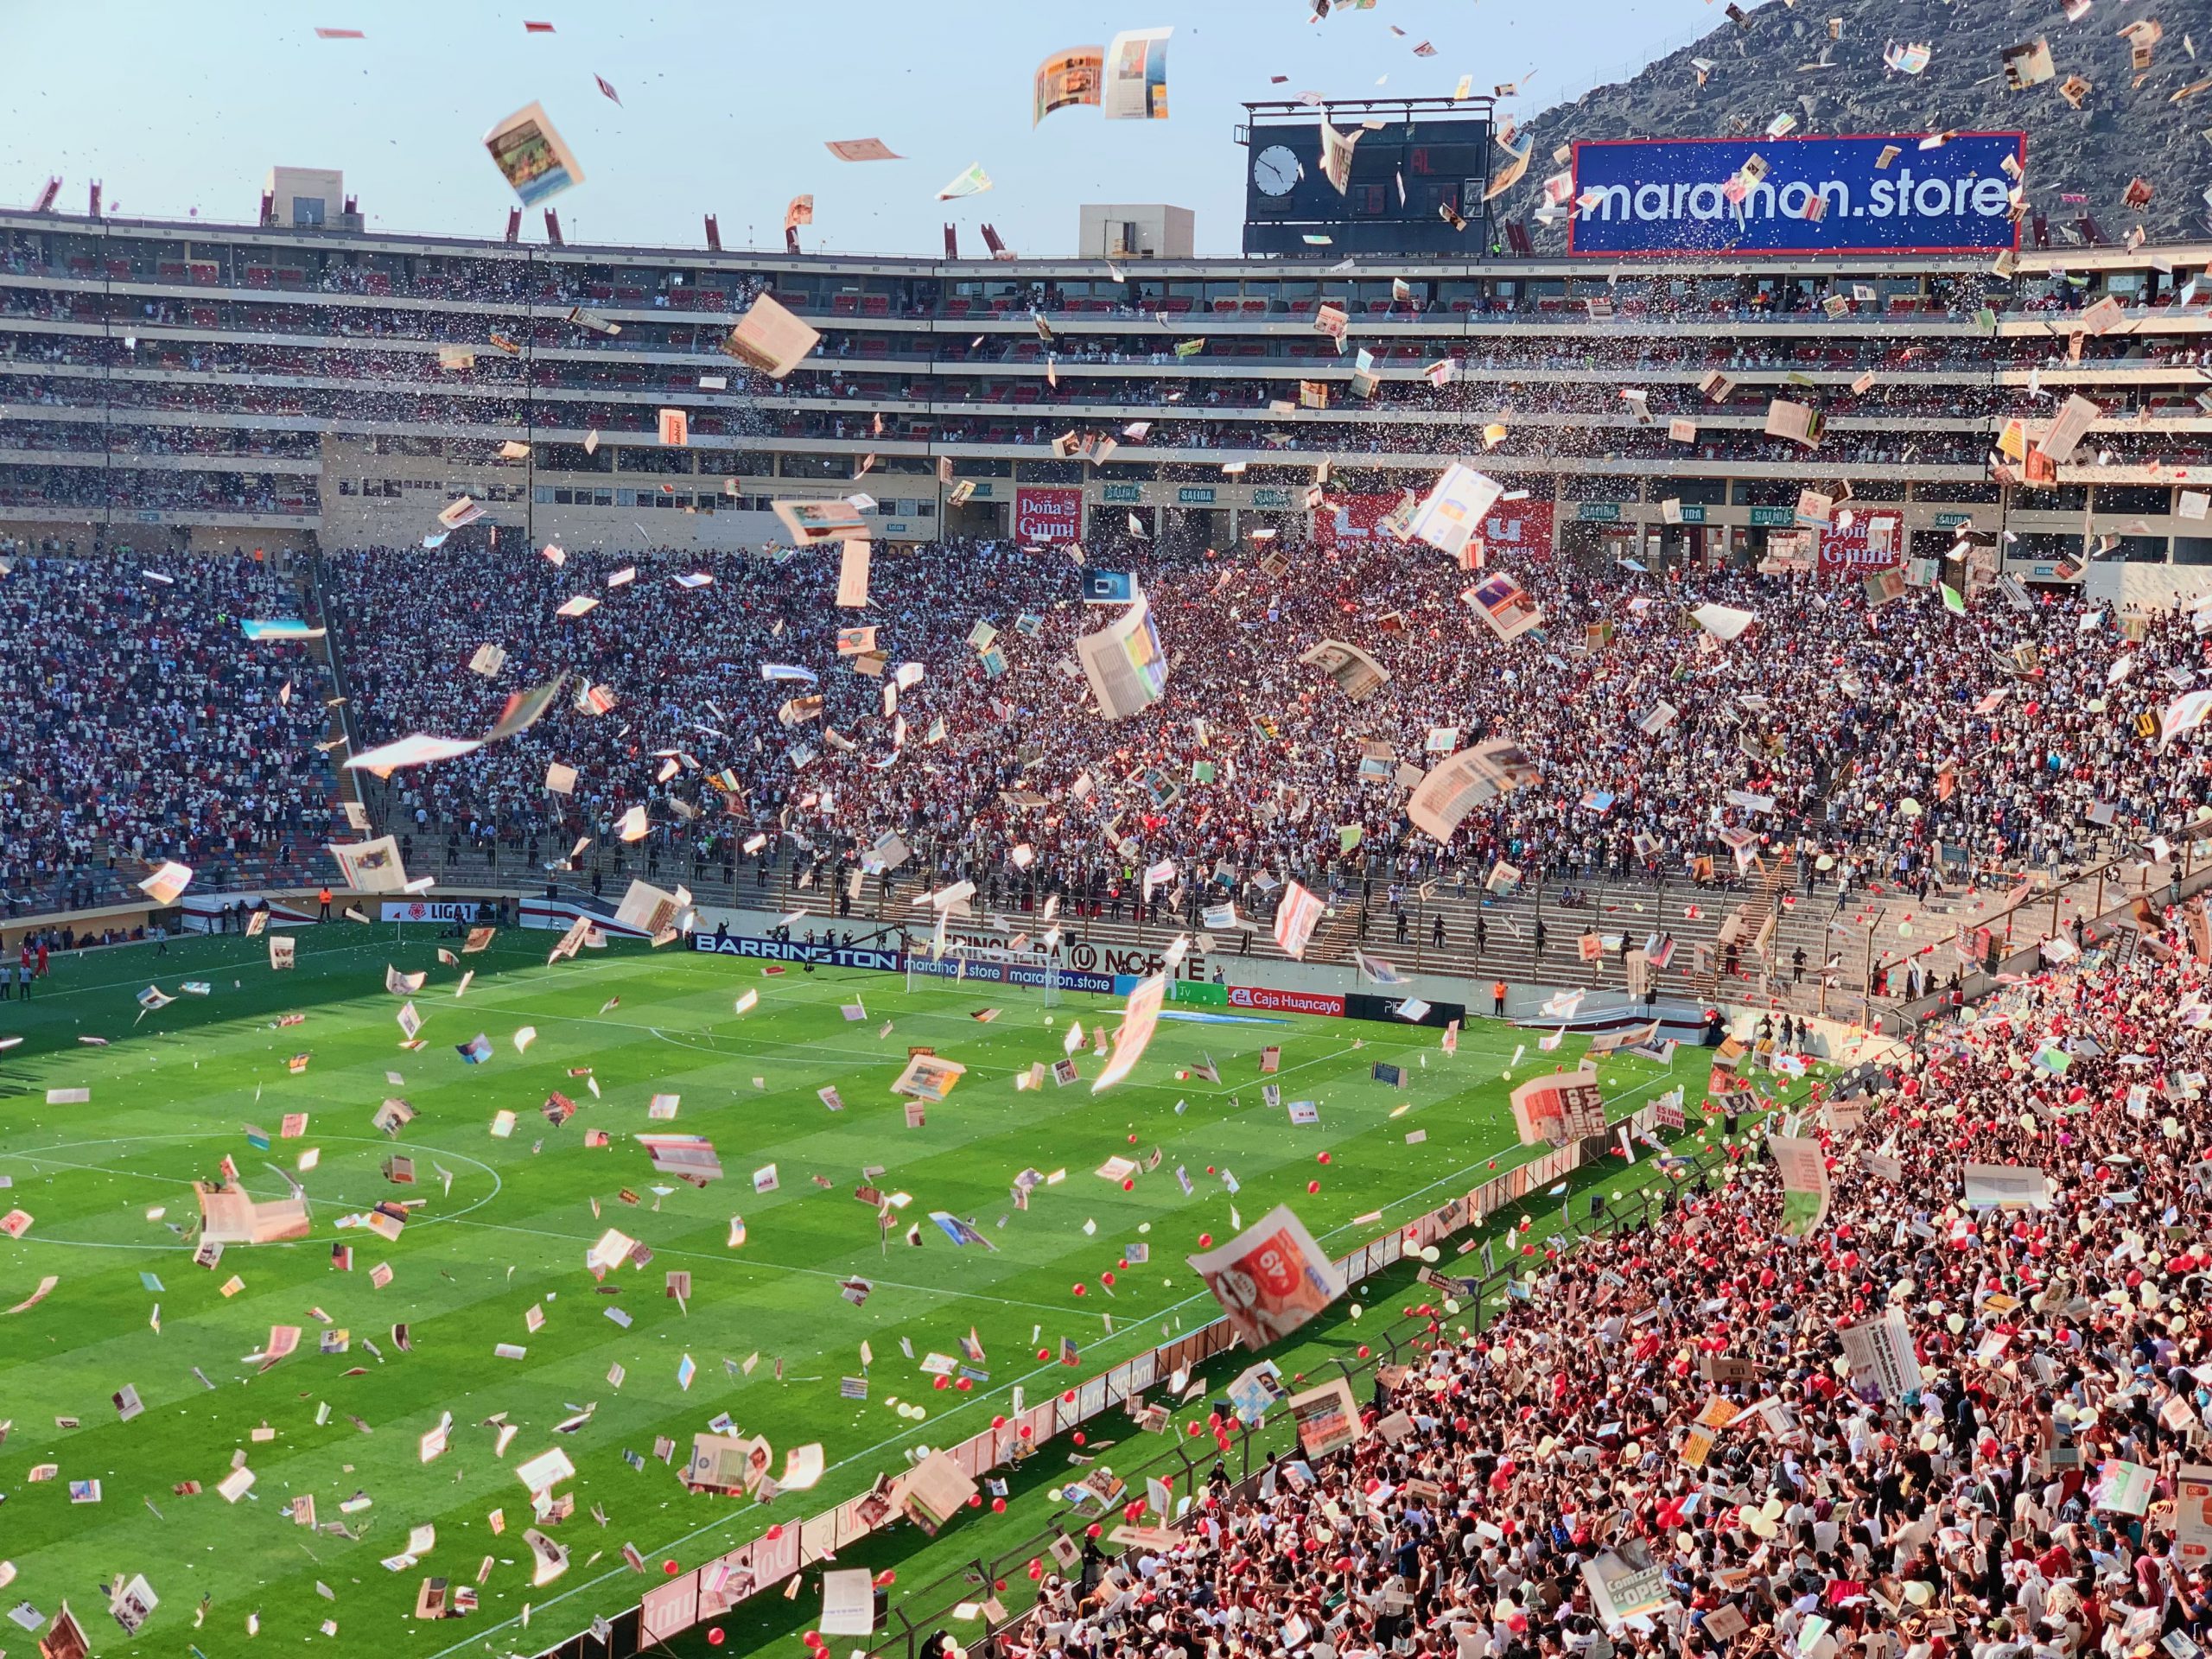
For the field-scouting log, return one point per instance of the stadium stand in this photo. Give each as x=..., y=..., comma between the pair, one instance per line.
x=147, y=732
x=1714, y=1435
x=174, y=389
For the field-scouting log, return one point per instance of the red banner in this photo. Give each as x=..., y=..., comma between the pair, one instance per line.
x=1520, y=529
x=1042, y=515
x=1350, y=520
x=1511, y=530
x=1874, y=542
x=1254, y=996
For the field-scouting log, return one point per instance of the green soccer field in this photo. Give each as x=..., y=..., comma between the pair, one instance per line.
x=175, y=1090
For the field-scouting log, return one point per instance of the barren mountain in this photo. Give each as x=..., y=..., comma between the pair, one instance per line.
x=1823, y=62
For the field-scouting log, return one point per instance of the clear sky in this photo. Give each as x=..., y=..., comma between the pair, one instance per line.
x=724, y=107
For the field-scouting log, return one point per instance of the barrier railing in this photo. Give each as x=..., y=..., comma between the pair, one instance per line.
x=977, y=1586
x=718, y=1586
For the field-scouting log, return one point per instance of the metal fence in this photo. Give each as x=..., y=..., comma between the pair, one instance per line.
x=929, y=1608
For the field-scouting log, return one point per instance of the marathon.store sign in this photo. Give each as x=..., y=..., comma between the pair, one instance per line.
x=987, y=972
x=1810, y=194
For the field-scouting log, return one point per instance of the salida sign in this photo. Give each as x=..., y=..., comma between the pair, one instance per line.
x=1048, y=515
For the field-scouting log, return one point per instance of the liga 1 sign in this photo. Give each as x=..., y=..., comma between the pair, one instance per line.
x=1858, y=194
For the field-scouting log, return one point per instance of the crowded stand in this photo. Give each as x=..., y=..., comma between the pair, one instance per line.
x=1887, y=739
x=876, y=661
x=146, y=729
x=1951, y=1403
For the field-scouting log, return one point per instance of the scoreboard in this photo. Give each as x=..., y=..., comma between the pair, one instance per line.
x=1415, y=185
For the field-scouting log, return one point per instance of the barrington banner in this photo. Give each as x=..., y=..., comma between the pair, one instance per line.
x=821, y=955
x=885, y=961
x=1873, y=194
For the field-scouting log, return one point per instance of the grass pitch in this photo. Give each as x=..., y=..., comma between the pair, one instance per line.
x=175, y=1089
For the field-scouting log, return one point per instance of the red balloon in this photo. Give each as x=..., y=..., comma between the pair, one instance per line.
x=1206, y=1240
x=1312, y=1186
x=1082, y=1289
x=941, y=1382
x=964, y=1385
x=1105, y=1277
x=1081, y=1438
x=1129, y=1186
x=998, y=1422
x=1044, y=1353
x=1322, y=1158
x=974, y=1500
x=998, y=1507
x=671, y=1568
x=714, y=1638
x=775, y=1532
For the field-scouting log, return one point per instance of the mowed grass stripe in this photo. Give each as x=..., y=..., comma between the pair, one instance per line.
x=673, y=1031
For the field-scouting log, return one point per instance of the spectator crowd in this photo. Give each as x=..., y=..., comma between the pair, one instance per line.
x=1900, y=743
x=1696, y=1437
x=144, y=727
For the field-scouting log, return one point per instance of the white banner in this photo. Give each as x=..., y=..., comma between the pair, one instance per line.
x=1880, y=1350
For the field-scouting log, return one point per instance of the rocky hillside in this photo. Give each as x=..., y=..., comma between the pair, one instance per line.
x=1780, y=58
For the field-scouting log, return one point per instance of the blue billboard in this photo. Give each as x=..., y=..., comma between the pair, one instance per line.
x=1109, y=587
x=983, y=971
x=1882, y=194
